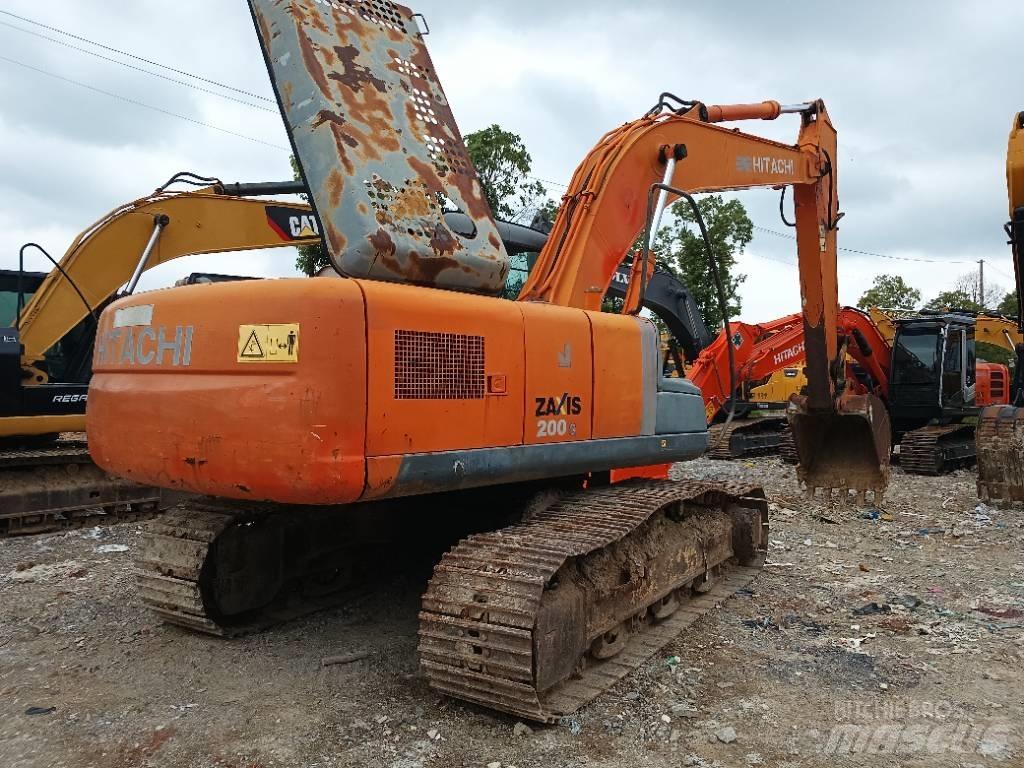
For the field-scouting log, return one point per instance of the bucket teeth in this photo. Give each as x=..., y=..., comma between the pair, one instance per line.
x=860, y=497
x=845, y=449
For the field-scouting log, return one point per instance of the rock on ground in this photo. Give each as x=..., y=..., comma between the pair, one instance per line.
x=796, y=665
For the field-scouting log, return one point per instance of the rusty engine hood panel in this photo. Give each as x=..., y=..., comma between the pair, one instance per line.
x=377, y=143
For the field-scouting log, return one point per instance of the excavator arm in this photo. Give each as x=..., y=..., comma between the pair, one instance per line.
x=764, y=349
x=752, y=345
x=1000, y=428
x=998, y=331
x=684, y=151
x=1015, y=195
x=605, y=206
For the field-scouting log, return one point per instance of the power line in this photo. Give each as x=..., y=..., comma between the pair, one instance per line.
x=998, y=270
x=127, y=100
x=136, y=58
x=775, y=259
x=869, y=253
x=137, y=69
x=182, y=72
x=548, y=181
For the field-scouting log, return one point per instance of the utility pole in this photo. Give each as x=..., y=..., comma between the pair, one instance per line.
x=981, y=282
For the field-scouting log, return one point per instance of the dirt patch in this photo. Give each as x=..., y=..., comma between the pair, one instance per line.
x=797, y=670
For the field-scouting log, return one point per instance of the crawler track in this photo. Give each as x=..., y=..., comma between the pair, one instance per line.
x=57, y=487
x=230, y=569
x=787, y=448
x=747, y=437
x=1000, y=448
x=541, y=617
x=937, y=450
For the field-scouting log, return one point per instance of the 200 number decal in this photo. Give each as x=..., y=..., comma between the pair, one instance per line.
x=555, y=428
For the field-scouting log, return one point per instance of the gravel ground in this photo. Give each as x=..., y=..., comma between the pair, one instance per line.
x=887, y=636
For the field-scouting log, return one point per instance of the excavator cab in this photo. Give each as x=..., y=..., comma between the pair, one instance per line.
x=934, y=370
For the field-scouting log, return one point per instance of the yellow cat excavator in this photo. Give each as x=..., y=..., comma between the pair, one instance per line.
x=47, y=479
x=307, y=408
x=1000, y=433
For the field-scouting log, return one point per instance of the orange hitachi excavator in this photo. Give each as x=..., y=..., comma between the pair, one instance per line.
x=411, y=382
x=764, y=349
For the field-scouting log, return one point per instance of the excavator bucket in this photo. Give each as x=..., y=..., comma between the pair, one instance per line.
x=846, y=449
x=1000, y=451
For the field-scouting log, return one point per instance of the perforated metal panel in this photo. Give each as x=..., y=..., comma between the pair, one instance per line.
x=377, y=143
x=438, y=366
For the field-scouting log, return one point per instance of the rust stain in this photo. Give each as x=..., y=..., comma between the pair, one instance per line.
x=421, y=59
x=494, y=240
x=335, y=186
x=421, y=269
x=418, y=128
x=382, y=243
x=309, y=58
x=410, y=203
x=427, y=173
x=337, y=240
x=355, y=75
x=442, y=241
x=343, y=21
x=261, y=22
x=340, y=131
x=319, y=23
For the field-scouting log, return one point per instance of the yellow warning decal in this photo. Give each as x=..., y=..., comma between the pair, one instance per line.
x=275, y=343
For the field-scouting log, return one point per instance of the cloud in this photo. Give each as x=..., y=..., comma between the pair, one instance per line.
x=918, y=91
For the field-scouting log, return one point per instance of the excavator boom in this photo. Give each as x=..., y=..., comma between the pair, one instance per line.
x=842, y=439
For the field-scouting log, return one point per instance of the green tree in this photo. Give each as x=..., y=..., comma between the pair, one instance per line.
x=1009, y=305
x=954, y=299
x=993, y=353
x=311, y=258
x=890, y=292
x=504, y=165
x=679, y=248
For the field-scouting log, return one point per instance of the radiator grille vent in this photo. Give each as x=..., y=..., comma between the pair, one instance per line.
x=438, y=366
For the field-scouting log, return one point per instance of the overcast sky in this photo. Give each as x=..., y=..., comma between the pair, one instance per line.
x=922, y=94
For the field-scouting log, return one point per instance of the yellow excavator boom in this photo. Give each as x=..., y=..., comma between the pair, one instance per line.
x=105, y=256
